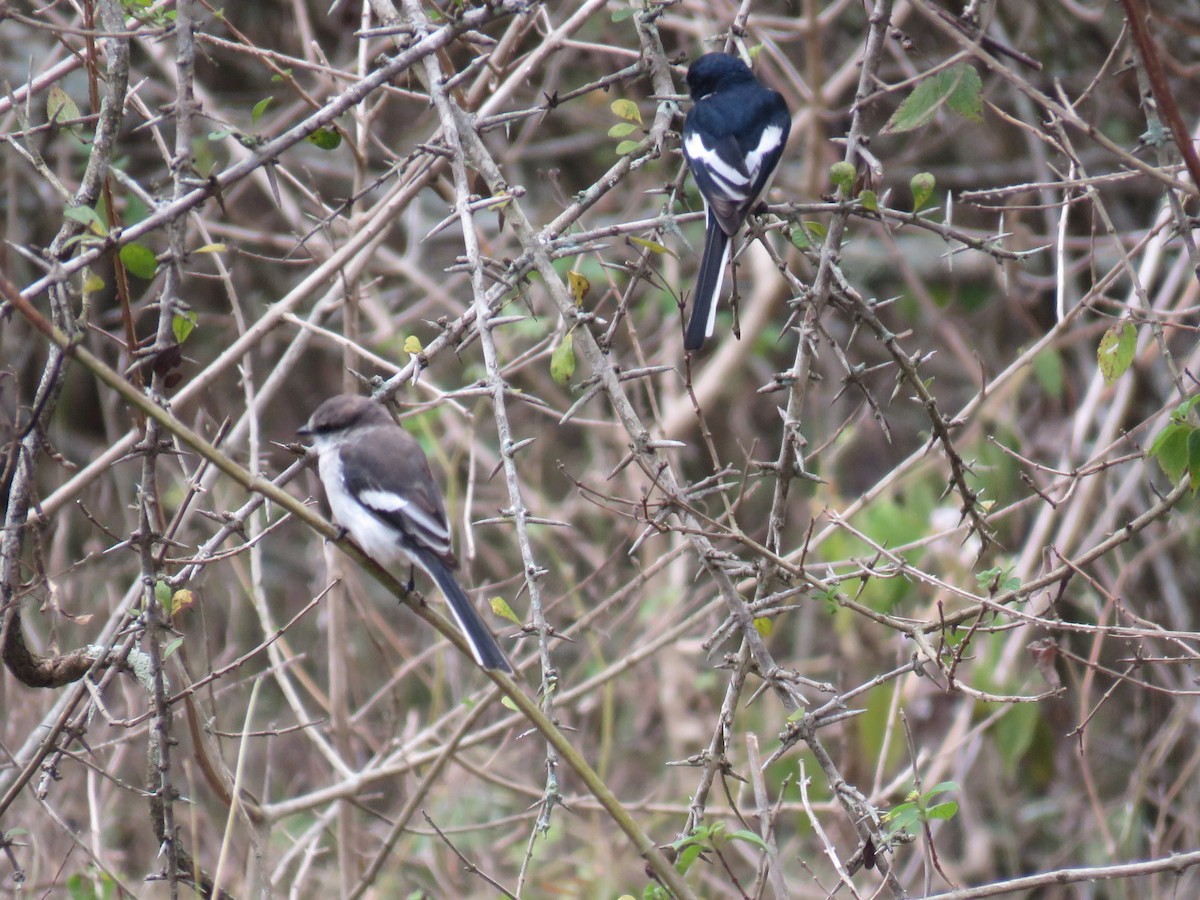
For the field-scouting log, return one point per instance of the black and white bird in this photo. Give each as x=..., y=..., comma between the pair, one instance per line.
x=382, y=492
x=733, y=139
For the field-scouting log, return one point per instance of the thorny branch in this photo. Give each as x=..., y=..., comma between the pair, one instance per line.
x=831, y=562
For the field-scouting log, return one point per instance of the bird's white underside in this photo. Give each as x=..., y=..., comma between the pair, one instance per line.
x=377, y=538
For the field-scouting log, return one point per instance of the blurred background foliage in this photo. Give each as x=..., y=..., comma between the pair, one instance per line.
x=1101, y=773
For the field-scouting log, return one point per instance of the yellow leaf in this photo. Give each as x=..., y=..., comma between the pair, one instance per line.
x=92, y=282
x=181, y=600
x=764, y=626
x=412, y=344
x=211, y=248
x=579, y=286
x=627, y=110
x=59, y=106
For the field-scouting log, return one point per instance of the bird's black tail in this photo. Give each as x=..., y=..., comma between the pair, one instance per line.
x=708, y=285
x=483, y=646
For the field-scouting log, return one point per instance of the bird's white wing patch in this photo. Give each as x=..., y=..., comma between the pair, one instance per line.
x=772, y=137
x=732, y=182
x=432, y=531
x=384, y=501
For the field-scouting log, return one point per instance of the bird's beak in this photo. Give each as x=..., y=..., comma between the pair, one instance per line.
x=304, y=430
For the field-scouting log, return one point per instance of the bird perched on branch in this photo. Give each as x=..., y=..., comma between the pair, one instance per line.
x=733, y=139
x=382, y=492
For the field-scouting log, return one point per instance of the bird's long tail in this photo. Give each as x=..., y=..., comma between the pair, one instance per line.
x=708, y=285
x=483, y=646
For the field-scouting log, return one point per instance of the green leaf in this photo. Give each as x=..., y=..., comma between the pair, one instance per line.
x=958, y=87
x=832, y=603
x=183, y=325
x=1193, y=457
x=627, y=110
x=905, y=815
x=1115, y=353
x=85, y=215
x=945, y=810
x=869, y=201
x=921, y=185
x=138, y=259
x=259, y=108
x=697, y=834
x=162, y=593
x=172, y=647
x=562, y=361
x=748, y=837
x=1048, y=367
x=622, y=129
x=626, y=147
x=842, y=175
x=687, y=856
x=652, y=246
x=967, y=97
x=1002, y=580
x=59, y=106
x=1170, y=449
x=988, y=576
x=1016, y=733
x=326, y=138
x=942, y=787
x=501, y=608
x=1180, y=412
x=764, y=626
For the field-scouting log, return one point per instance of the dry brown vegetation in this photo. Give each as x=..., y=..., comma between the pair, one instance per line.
x=902, y=543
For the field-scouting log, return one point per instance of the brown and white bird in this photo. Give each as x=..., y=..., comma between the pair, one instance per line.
x=382, y=492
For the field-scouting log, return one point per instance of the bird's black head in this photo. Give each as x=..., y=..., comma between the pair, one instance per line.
x=715, y=72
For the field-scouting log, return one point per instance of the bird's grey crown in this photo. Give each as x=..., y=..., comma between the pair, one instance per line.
x=343, y=412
